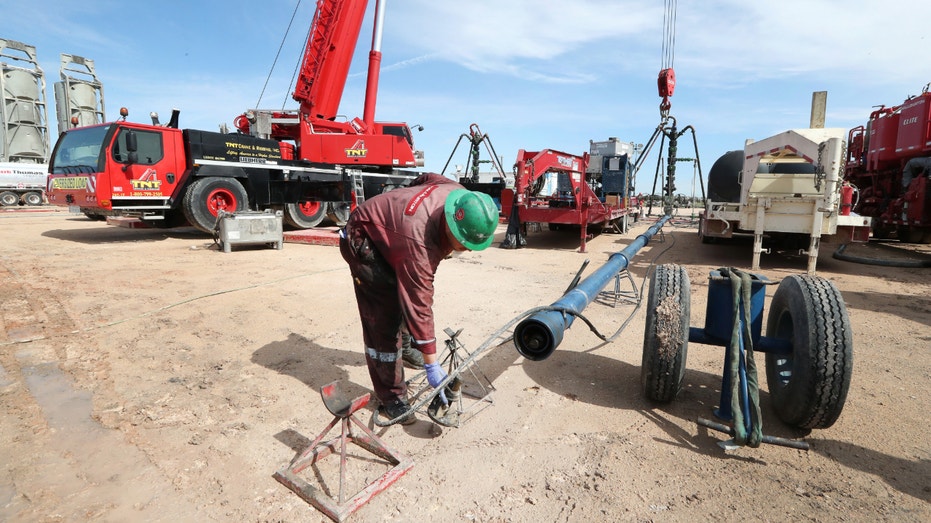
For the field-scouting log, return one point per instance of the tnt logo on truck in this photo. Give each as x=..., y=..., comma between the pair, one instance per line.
x=147, y=182
x=357, y=150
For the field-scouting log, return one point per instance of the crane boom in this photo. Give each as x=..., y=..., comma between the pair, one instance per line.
x=316, y=134
x=328, y=55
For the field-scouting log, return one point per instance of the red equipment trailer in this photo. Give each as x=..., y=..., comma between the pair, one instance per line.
x=297, y=162
x=889, y=163
x=553, y=187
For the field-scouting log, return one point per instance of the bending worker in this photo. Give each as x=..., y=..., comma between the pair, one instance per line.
x=393, y=244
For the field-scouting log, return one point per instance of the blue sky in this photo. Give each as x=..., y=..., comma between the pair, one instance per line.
x=532, y=74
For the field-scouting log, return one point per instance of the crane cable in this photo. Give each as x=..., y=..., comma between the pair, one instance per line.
x=669, y=34
x=666, y=82
x=278, y=54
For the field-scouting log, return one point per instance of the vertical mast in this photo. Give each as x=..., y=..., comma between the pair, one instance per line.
x=371, y=85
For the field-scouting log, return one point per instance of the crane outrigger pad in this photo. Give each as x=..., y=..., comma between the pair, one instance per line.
x=342, y=408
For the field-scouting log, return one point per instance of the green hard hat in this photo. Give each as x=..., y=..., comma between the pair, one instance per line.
x=472, y=218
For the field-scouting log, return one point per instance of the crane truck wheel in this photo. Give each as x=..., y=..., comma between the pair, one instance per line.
x=32, y=198
x=305, y=215
x=338, y=212
x=206, y=197
x=9, y=198
x=666, y=335
x=808, y=386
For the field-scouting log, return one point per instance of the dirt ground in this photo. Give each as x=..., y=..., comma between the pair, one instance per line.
x=148, y=376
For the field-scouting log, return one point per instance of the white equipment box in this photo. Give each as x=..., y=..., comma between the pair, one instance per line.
x=250, y=228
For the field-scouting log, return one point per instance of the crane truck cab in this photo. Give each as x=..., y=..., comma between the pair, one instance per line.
x=166, y=176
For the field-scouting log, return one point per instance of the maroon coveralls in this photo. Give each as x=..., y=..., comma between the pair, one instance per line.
x=393, y=244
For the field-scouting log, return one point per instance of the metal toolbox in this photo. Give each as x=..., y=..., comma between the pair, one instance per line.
x=249, y=228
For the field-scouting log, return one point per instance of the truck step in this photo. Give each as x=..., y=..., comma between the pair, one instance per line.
x=127, y=222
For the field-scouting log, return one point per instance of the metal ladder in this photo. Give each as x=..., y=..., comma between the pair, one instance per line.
x=357, y=187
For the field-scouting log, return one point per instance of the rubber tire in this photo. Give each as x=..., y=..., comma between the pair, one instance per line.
x=305, y=215
x=338, y=212
x=882, y=232
x=9, y=199
x=206, y=197
x=95, y=217
x=908, y=234
x=32, y=198
x=666, y=334
x=809, y=386
x=595, y=229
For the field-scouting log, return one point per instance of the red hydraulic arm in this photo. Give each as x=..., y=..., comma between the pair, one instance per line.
x=531, y=166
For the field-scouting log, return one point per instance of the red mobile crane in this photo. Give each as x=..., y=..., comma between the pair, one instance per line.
x=889, y=163
x=294, y=161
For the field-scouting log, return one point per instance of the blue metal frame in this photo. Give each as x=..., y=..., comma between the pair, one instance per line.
x=719, y=325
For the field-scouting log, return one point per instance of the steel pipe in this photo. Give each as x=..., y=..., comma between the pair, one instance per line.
x=537, y=336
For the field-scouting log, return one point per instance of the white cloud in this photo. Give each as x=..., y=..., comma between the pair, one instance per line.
x=518, y=37
x=720, y=42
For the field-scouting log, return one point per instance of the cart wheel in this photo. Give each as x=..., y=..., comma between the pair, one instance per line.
x=666, y=338
x=809, y=385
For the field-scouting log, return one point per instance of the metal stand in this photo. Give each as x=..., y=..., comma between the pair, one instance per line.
x=631, y=296
x=468, y=393
x=342, y=408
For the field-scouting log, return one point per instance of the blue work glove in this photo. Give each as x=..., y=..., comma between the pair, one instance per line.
x=435, y=376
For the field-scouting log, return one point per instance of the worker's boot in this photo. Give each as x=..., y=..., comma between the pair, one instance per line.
x=412, y=357
x=398, y=409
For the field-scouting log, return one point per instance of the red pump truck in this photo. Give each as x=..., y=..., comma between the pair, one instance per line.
x=302, y=162
x=889, y=165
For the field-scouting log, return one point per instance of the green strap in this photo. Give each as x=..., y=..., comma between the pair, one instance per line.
x=741, y=288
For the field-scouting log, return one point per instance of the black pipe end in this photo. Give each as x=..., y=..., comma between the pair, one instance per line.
x=534, y=340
